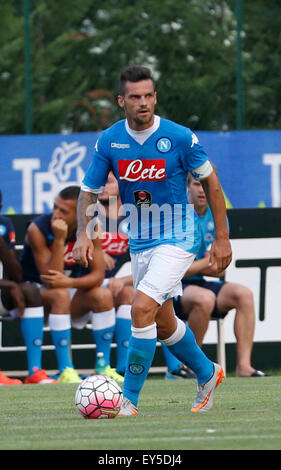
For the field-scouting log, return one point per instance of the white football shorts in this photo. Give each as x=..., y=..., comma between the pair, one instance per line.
x=158, y=272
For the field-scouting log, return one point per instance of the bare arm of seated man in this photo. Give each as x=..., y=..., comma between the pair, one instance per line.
x=53, y=278
x=117, y=284
x=15, y=295
x=46, y=259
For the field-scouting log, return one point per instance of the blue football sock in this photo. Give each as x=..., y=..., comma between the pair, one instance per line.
x=140, y=356
x=103, y=326
x=32, y=325
x=103, y=340
x=122, y=336
x=61, y=336
x=172, y=362
x=188, y=351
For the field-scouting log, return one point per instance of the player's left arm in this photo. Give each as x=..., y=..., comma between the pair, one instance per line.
x=92, y=184
x=220, y=253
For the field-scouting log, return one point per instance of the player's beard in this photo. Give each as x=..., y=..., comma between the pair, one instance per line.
x=141, y=120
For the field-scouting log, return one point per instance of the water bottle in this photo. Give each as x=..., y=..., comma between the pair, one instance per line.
x=100, y=363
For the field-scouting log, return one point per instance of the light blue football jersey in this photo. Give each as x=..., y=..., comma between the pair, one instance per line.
x=207, y=230
x=152, y=179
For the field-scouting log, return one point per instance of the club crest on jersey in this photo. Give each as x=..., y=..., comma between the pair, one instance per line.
x=3, y=230
x=164, y=144
x=142, y=170
x=142, y=198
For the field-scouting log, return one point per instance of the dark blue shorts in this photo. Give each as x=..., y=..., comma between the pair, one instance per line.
x=214, y=286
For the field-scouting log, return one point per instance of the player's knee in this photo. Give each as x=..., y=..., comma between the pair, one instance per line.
x=244, y=297
x=207, y=302
x=126, y=296
x=60, y=297
x=202, y=304
x=144, y=311
x=31, y=294
x=101, y=299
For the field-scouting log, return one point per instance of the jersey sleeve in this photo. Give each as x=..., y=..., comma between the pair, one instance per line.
x=97, y=173
x=194, y=158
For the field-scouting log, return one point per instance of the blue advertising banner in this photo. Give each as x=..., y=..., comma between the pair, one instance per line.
x=34, y=168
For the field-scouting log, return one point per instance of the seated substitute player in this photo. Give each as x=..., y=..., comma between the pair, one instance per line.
x=116, y=320
x=115, y=243
x=151, y=157
x=66, y=288
x=18, y=298
x=203, y=299
x=115, y=247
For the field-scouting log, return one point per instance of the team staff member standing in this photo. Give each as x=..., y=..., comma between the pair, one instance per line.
x=151, y=156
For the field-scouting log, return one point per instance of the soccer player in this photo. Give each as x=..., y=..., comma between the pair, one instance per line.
x=67, y=289
x=18, y=298
x=115, y=246
x=115, y=243
x=151, y=156
x=203, y=299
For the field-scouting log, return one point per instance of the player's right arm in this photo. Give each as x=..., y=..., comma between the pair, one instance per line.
x=93, y=184
x=83, y=248
x=45, y=258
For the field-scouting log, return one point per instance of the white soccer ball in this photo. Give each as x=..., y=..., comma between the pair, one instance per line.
x=98, y=397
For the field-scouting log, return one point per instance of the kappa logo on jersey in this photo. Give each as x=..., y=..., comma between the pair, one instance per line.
x=195, y=140
x=142, y=170
x=119, y=146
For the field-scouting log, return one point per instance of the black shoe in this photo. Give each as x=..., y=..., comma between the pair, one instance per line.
x=258, y=373
x=182, y=373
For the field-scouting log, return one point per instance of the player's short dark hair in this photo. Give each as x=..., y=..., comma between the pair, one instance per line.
x=70, y=192
x=134, y=73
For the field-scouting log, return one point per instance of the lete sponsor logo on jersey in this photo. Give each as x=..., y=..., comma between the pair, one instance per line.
x=142, y=170
x=115, y=243
x=12, y=237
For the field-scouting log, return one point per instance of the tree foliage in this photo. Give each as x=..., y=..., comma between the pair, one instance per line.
x=78, y=48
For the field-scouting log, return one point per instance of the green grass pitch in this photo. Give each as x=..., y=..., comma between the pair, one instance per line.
x=246, y=416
